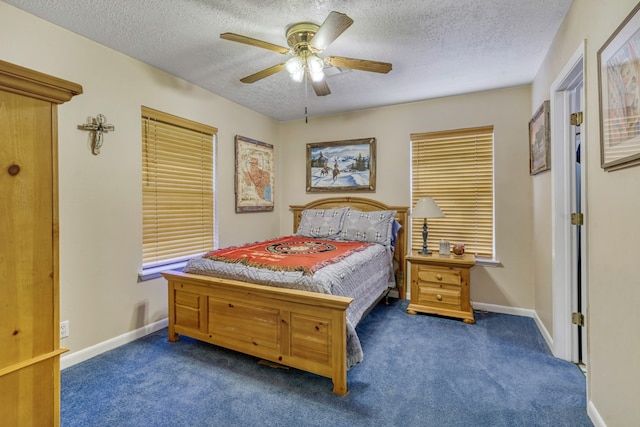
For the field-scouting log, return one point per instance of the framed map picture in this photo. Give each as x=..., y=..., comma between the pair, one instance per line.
x=341, y=166
x=254, y=176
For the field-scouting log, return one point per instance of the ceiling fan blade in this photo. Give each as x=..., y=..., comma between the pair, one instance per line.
x=358, y=64
x=321, y=88
x=262, y=74
x=254, y=42
x=335, y=24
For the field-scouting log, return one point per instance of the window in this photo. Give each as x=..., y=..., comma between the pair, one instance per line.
x=177, y=190
x=456, y=169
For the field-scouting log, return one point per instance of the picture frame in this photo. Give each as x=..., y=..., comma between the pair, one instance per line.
x=540, y=141
x=341, y=166
x=619, y=95
x=254, y=179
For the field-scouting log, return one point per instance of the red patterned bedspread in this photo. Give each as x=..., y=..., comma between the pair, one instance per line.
x=290, y=253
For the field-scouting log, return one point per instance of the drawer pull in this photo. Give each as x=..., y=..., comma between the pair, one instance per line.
x=13, y=170
x=439, y=276
x=439, y=297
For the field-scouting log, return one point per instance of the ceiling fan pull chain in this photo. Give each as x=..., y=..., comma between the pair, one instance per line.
x=306, y=98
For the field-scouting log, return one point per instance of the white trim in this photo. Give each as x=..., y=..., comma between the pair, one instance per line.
x=561, y=205
x=489, y=262
x=593, y=413
x=89, y=352
x=154, y=272
x=493, y=308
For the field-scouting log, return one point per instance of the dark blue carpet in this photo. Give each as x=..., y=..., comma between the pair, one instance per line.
x=417, y=371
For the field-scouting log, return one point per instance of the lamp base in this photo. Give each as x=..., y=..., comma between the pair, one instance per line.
x=424, y=250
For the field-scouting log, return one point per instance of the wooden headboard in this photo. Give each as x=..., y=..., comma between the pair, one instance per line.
x=363, y=204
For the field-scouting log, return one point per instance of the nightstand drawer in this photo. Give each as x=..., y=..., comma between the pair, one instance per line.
x=439, y=275
x=430, y=295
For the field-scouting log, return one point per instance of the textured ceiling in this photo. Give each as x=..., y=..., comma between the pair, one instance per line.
x=437, y=47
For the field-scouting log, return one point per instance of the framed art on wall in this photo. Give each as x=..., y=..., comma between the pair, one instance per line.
x=254, y=175
x=539, y=141
x=618, y=80
x=341, y=166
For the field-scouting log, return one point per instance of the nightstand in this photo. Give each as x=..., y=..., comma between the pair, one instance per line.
x=440, y=285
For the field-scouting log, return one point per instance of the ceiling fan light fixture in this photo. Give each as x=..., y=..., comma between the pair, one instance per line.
x=299, y=64
x=298, y=75
x=316, y=76
x=294, y=64
x=315, y=64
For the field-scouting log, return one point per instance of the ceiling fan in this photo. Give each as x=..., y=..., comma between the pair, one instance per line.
x=306, y=40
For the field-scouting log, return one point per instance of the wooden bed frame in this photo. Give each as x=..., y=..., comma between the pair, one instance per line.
x=300, y=329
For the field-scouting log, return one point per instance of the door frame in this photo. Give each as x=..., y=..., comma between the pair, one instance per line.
x=563, y=259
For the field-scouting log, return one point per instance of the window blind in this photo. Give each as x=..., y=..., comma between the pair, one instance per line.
x=177, y=188
x=456, y=169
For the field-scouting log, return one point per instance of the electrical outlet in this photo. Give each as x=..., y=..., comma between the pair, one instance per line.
x=64, y=329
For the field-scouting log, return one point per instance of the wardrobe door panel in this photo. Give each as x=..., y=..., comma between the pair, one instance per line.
x=26, y=238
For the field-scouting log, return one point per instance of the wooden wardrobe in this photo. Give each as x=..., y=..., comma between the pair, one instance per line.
x=29, y=302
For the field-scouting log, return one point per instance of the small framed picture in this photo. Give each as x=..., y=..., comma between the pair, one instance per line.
x=539, y=141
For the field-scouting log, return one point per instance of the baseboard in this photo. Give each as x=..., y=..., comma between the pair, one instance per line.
x=89, y=352
x=593, y=413
x=518, y=312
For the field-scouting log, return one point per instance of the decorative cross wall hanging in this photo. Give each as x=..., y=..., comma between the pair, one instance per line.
x=97, y=126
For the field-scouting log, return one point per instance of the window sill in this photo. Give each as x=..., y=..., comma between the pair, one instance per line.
x=154, y=272
x=489, y=262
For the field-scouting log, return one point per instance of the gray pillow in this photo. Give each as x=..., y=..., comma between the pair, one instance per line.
x=374, y=226
x=321, y=223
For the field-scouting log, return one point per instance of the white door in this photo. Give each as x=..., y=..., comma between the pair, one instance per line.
x=569, y=242
x=579, y=293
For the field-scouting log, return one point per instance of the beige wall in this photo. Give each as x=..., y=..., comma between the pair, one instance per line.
x=508, y=110
x=613, y=203
x=100, y=196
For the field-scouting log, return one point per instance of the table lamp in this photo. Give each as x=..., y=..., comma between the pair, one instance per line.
x=425, y=208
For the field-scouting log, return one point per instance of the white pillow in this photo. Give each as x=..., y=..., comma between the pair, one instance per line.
x=373, y=226
x=321, y=223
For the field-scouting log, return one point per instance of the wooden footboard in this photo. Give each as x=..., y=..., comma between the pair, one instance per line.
x=303, y=330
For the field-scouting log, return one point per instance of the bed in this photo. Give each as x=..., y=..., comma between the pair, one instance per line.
x=306, y=329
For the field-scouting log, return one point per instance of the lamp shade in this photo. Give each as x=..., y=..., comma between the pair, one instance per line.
x=426, y=207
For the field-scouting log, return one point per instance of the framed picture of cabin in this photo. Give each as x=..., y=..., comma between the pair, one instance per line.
x=341, y=166
x=619, y=93
x=539, y=141
x=254, y=175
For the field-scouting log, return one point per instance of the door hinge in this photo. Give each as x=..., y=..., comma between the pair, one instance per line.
x=577, y=218
x=577, y=319
x=576, y=118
